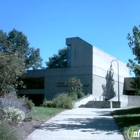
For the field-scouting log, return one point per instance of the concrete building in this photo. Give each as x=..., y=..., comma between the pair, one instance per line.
x=85, y=62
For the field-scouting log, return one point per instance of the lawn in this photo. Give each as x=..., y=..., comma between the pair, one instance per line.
x=44, y=113
x=127, y=120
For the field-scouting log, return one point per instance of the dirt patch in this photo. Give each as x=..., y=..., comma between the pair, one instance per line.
x=27, y=128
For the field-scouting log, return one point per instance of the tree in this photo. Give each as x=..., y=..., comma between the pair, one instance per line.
x=134, y=65
x=59, y=60
x=11, y=67
x=134, y=44
x=108, y=89
x=74, y=85
x=16, y=41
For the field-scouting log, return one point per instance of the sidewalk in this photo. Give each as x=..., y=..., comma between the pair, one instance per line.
x=79, y=124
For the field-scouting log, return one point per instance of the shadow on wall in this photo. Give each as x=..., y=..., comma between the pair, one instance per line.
x=108, y=89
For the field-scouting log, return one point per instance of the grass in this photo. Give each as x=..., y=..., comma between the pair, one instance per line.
x=126, y=120
x=44, y=113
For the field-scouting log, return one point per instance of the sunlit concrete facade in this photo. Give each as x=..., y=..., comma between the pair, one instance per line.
x=85, y=62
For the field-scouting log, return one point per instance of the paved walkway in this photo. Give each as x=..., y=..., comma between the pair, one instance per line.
x=79, y=124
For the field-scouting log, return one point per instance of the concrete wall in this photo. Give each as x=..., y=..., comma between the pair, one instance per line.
x=87, y=63
x=55, y=79
x=81, y=52
x=101, y=64
x=80, y=67
x=83, y=101
x=128, y=100
x=133, y=100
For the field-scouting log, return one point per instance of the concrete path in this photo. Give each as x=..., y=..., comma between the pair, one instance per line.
x=79, y=124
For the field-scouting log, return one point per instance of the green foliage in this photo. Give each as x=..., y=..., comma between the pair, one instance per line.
x=28, y=103
x=76, y=95
x=16, y=41
x=11, y=67
x=7, y=132
x=134, y=44
x=127, y=119
x=63, y=100
x=48, y=103
x=59, y=60
x=80, y=95
x=28, y=119
x=73, y=95
x=74, y=85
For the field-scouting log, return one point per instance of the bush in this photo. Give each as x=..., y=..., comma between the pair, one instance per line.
x=49, y=103
x=13, y=115
x=80, y=94
x=63, y=100
x=22, y=104
x=73, y=95
x=14, y=101
x=28, y=103
x=7, y=132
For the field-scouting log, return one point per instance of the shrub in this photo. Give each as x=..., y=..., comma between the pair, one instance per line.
x=73, y=95
x=14, y=101
x=13, y=115
x=80, y=94
x=48, y=103
x=28, y=103
x=7, y=132
x=63, y=100
x=22, y=103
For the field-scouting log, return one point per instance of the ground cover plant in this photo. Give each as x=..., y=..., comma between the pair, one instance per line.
x=128, y=121
x=19, y=117
x=13, y=111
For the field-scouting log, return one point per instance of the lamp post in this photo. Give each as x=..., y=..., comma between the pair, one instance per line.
x=118, y=77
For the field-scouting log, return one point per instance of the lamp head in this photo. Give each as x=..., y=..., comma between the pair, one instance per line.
x=111, y=68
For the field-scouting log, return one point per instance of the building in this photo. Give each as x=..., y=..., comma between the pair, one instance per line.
x=86, y=62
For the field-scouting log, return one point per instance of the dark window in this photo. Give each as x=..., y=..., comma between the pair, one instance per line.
x=33, y=83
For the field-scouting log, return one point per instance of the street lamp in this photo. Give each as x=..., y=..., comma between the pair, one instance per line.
x=118, y=77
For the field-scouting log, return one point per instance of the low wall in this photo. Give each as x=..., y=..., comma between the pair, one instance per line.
x=101, y=104
x=116, y=104
x=133, y=100
x=83, y=100
x=128, y=100
x=106, y=104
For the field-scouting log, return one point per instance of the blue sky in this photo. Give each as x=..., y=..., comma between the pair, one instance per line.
x=46, y=23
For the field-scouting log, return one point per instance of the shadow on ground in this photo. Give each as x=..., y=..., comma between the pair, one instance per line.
x=94, y=125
